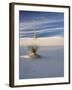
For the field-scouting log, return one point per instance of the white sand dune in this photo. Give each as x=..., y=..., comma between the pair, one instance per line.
x=49, y=65
x=50, y=41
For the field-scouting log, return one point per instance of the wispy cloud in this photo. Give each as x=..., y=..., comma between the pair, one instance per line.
x=43, y=24
x=44, y=30
x=36, y=24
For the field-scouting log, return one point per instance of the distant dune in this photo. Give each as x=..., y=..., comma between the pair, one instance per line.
x=49, y=41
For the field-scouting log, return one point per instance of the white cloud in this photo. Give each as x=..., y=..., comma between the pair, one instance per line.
x=33, y=24
x=44, y=30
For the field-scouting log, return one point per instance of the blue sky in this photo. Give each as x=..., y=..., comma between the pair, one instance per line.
x=46, y=24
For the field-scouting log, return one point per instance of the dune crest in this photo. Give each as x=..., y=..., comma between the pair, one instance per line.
x=51, y=41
